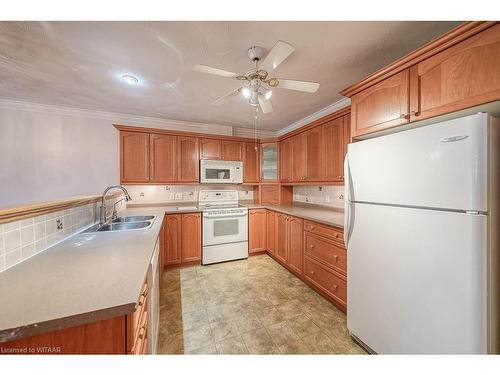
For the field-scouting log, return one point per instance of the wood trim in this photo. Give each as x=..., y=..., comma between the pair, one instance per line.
x=332, y=116
x=138, y=129
x=36, y=209
x=452, y=37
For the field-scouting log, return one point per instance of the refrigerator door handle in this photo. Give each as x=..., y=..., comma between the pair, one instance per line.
x=347, y=200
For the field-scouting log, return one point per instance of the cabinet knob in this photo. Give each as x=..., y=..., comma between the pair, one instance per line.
x=312, y=227
x=312, y=272
x=413, y=113
x=311, y=246
x=402, y=116
x=336, y=257
x=336, y=235
x=335, y=287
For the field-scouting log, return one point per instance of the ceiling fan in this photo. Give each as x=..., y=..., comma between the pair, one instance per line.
x=257, y=83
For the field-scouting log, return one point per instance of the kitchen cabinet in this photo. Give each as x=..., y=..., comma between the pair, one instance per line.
x=381, y=106
x=134, y=157
x=172, y=239
x=210, y=148
x=232, y=150
x=298, y=147
x=334, y=149
x=270, y=194
x=269, y=162
x=191, y=237
x=285, y=160
x=271, y=231
x=257, y=230
x=163, y=158
x=295, y=251
x=182, y=238
x=281, y=237
x=327, y=281
x=188, y=159
x=137, y=324
x=459, y=77
x=251, y=162
x=314, y=154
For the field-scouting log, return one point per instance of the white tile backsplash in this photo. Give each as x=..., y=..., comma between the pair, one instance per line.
x=179, y=193
x=331, y=196
x=22, y=239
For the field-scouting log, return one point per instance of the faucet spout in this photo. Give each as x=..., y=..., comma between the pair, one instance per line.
x=102, y=213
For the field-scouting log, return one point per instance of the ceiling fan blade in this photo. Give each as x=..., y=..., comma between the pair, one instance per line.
x=226, y=97
x=215, y=71
x=291, y=84
x=265, y=105
x=278, y=53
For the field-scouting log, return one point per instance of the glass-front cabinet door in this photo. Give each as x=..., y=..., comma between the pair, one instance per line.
x=269, y=162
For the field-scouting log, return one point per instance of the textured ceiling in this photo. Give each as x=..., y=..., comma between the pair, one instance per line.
x=79, y=64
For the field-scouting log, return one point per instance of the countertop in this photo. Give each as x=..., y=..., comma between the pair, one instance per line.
x=85, y=278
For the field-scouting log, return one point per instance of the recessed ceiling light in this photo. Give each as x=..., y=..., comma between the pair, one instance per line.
x=131, y=80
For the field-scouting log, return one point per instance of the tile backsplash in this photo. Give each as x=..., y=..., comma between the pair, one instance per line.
x=19, y=240
x=331, y=196
x=180, y=193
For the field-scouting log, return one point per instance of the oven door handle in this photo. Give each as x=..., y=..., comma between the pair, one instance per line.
x=224, y=216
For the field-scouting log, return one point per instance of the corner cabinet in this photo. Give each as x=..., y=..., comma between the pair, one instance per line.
x=134, y=157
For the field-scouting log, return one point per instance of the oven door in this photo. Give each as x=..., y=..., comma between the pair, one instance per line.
x=216, y=174
x=222, y=229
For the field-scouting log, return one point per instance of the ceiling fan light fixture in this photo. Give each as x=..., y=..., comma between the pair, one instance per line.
x=245, y=91
x=130, y=79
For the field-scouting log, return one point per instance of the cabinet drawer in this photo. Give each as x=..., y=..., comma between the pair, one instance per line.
x=324, y=230
x=141, y=335
x=330, y=282
x=140, y=312
x=328, y=252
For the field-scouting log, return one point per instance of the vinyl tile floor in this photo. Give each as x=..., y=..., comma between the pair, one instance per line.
x=251, y=306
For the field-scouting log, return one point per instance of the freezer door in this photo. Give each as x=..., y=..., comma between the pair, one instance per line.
x=441, y=165
x=416, y=280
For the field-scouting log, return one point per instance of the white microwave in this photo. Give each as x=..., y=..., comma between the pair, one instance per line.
x=221, y=172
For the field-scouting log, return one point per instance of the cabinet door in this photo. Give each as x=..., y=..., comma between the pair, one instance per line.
x=271, y=231
x=134, y=155
x=281, y=237
x=257, y=230
x=232, y=150
x=188, y=159
x=211, y=148
x=314, y=154
x=459, y=77
x=381, y=106
x=191, y=237
x=251, y=163
x=172, y=239
x=269, y=162
x=333, y=150
x=285, y=158
x=298, y=158
x=270, y=194
x=295, y=253
x=163, y=152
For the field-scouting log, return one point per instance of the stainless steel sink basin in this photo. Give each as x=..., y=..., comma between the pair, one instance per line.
x=128, y=219
x=124, y=226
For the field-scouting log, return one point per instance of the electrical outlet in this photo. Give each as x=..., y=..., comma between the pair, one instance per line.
x=327, y=199
x=59, y=224
x=171, y=196
x=142, y=194
x=178, y=196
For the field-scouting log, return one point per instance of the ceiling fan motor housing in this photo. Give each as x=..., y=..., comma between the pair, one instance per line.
x=255, y=53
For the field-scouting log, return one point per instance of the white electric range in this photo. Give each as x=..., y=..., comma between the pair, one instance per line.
x=225, y=226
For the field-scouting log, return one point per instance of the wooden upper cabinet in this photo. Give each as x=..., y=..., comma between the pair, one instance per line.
x=381, y=106
x=281, y=237
x=210, y=148
x=134, y=155
x=298, y=146
x=285, y=160
x=188, y=159
x=232, y=150
x=271, y=231
x=295, y=253
x=172, y=239
x=314, y=154
x=462, y=76
x=251, y=162
x=334, y=149
x=191, y=237
x=163, y=153
x=256, y=230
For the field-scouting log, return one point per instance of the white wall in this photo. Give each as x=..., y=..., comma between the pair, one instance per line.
x=49, y=156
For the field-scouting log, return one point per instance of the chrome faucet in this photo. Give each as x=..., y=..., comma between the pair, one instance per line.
x=102, y=209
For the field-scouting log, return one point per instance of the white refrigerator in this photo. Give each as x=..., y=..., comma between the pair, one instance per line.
x=421, y=229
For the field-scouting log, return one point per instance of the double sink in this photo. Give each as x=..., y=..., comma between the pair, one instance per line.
x=123, y=223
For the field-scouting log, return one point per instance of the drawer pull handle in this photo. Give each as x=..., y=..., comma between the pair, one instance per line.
x=336, y=257
x=141, y=330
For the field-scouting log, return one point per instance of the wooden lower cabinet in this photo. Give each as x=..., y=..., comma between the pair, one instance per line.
x=281, y=237
x=256, y=230
x=295, y=249
x=271, y=231
x=182, y=239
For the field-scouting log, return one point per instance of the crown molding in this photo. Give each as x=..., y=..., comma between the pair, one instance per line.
x=250, y=133
x=342, y=103
x=112, y=117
